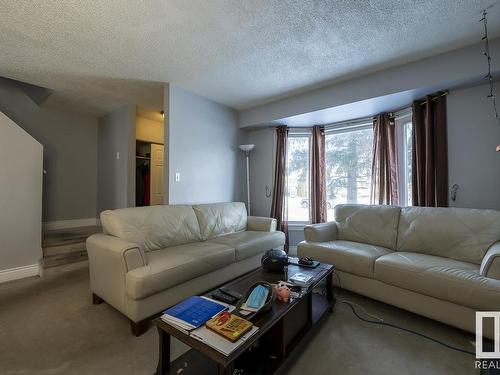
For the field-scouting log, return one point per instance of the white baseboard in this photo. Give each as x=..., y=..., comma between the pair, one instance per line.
x=62, y=224
x=19, y=272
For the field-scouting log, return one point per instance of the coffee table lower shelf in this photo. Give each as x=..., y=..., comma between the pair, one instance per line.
x=273, y=350
x=282, y=331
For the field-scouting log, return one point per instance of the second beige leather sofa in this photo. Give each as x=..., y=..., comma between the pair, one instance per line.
x=442, y=263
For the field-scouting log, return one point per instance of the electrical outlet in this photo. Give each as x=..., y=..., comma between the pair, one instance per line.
x=177, y=176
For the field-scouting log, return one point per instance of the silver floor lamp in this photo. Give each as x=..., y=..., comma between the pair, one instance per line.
x=246, y=149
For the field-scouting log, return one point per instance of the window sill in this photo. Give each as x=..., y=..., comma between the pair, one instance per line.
x=297, y=226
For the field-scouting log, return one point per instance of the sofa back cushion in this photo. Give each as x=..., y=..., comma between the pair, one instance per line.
x=154, y=227
x=216, y=219
x=375, y=225
x=458, y=233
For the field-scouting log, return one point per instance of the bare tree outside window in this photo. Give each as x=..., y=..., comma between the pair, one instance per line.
x=348, y=167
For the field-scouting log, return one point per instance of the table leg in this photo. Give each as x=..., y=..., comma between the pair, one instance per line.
x=273, y=341
x=227, y=370
x=329, y=290
x=164, y=353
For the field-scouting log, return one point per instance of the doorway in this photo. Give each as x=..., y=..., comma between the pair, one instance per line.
x=149, y=159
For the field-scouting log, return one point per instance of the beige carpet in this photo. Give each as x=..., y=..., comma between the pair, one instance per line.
x=49, y=326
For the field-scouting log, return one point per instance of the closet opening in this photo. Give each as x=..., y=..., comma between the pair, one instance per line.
x=149, y=159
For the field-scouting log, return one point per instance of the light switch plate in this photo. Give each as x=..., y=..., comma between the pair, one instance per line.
x=177, y=176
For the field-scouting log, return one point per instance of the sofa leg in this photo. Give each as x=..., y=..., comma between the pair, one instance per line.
x=139, y=328
x=96, y=300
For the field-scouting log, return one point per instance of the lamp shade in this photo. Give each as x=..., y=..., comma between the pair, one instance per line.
x=247, y=148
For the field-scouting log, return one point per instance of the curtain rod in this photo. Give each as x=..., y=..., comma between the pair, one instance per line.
x=444, y=93
x=397, y=113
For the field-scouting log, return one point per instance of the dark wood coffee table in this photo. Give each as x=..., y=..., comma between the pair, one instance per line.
x=281, y=330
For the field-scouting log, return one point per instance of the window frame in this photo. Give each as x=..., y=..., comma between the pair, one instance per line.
x=349, y=126
x=401, y=121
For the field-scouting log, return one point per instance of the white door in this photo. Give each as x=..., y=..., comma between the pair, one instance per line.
x=156, y=174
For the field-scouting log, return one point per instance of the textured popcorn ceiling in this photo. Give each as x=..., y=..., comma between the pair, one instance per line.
x=100, y=54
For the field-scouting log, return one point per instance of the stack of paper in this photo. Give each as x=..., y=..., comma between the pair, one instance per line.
x=301, y=279
x=218, y=342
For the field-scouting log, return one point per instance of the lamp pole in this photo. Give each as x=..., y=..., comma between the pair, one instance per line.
x=246, y=149
x=248, y=179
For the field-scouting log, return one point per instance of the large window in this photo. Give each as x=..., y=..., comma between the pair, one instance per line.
x=298, y=177
x=348, y=157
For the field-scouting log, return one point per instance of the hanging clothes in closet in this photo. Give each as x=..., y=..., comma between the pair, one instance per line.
x=143, y=183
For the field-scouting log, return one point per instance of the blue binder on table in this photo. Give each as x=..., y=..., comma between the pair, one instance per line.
x=192, y=312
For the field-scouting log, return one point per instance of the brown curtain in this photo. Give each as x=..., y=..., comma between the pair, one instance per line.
x=279, y=209
x=317, y=208
x=430, y=152
x=384, y=181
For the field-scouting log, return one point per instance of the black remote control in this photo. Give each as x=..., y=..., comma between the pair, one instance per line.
x=230, y=292
x=224, y=297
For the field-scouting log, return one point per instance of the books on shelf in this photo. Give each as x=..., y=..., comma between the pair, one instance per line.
x=228, y=325
x=192, y=313
x=302, y=279
x=191, y=316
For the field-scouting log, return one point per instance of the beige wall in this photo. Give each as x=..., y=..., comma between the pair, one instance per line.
x=201, y=141
x=262, y=169
x=20, y=196
x=69, y=140
x=473, y=133
x=149, y=130
x=116, y=159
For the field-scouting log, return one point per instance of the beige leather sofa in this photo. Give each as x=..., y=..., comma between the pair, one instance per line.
x=150, y=258
x=442, y=263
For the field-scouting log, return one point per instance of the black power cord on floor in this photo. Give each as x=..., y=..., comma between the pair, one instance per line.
x=382, y=323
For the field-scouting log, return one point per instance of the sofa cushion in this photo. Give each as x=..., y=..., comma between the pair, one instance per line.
x=457, y=233
x=353, y=257
x=175, y=265
x=249, y=243
x=220, y=218
x=154, y=227
x=374, y=225
x=447, y=279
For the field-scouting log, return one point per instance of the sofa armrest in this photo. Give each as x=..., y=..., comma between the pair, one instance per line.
x=321, y=232
x=490, y=266
x=128, y=254
x=261, y=224
x=110, y=258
